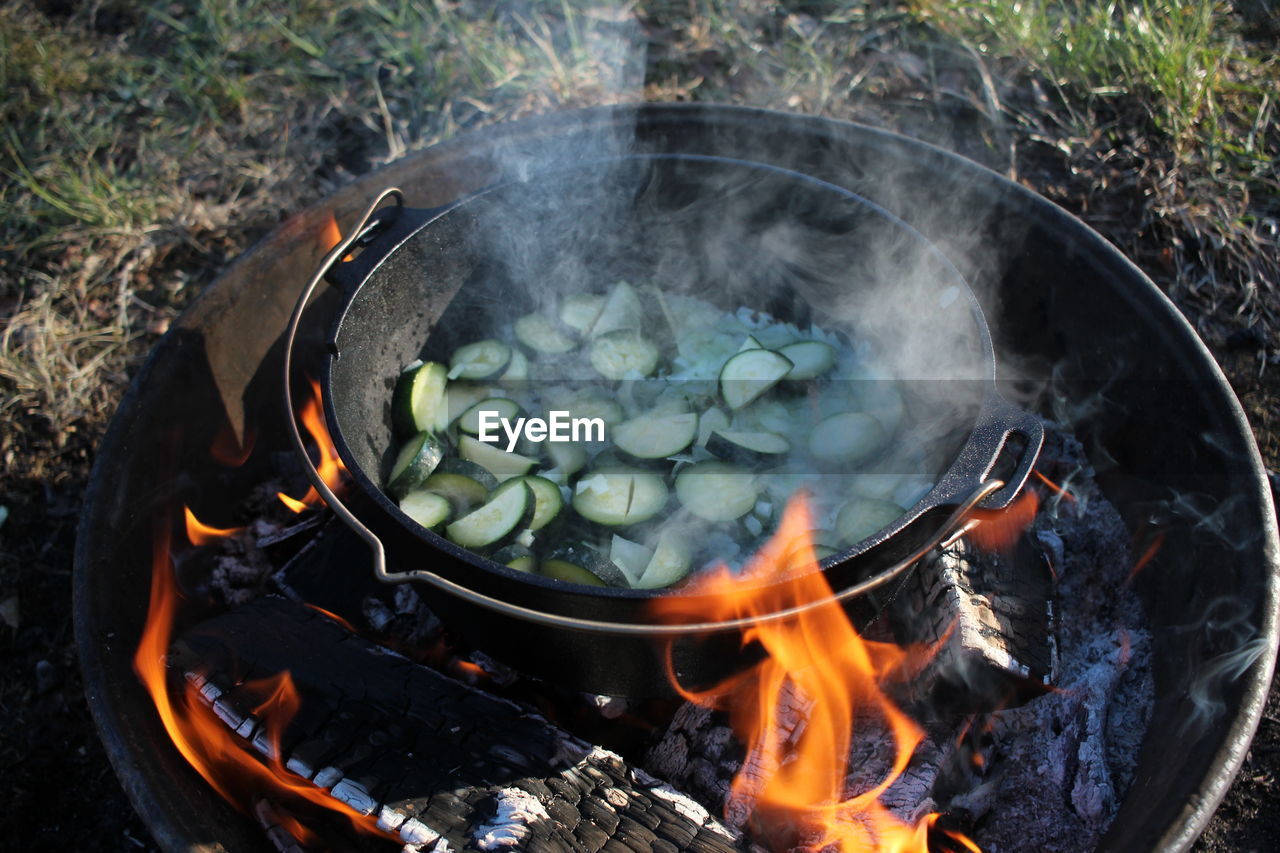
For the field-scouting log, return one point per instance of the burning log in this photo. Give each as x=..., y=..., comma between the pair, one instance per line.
x=990, y=614
x=429, y=757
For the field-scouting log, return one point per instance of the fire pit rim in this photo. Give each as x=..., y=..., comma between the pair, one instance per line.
x=117, y=733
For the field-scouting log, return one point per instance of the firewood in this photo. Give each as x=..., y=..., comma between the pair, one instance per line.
x=432, y=758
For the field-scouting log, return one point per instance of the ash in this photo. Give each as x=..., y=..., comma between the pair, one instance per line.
x=1050, y=774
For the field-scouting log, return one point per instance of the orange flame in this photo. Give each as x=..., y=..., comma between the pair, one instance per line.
x=1053, y=486
x=1147, y=556
x=219, y=755
x=329, y=466
x=818, y=661
x=199, y=533
x=998, y=530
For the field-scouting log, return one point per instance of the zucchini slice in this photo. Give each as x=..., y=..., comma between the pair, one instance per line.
x=516, y=557
x=461, y=491
x=420, y=401
x=756, y=448
x=630, y=557
x=624, y=353
x=811, y=359
x=454, y=465
x=505, y=514
x=506, y=408
x=414, y=464
x=463, y=395
x=748, y=374
x=670, y=562
x=861, y=517
x=547, y=501
x=592, y=561
x=426, y=507
x=495, y=460
x=563, y=570
x=517, y=369
x=541, y=334
x=581, y=310
x=750, y=343
x=847, y=438
x=569, y=457
x=712, y=419
x=621, y=311
x=481, y=360
x=716, y=491
x=656, y=436
x=619, y=496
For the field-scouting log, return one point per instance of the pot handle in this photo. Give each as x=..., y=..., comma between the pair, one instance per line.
x=998, y=422
x=967, y=500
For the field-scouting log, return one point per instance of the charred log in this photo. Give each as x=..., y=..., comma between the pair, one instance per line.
x=430, y=757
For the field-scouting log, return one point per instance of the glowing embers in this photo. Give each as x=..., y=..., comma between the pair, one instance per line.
x=798, y=710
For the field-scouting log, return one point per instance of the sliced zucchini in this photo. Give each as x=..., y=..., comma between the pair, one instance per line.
x=504, y=407
x=563, y=570
x=461, y=491
x=847, y=438
x=861, y=517
x=464, y=395
x=569, y=457
x=454, y=465
x=420, y=401
x=591, y=559
x=749, y=343
x=495, y=460
x=623, y=353
x=621, y=311
x=617, y=496
x=541, y=334
x=481, y=360
x=811, y=359
x=712, y=419
x=505, y=514
x=630, y=557
x=590, y=403
x=716, y=491
x=750, y=373
x=756, y=448
x=414, y=464
x=656, y=436
x=517, y=369
x=426, y=507
x=516, y=557
x=547, y=501
x=670, y=562
x=581, y=310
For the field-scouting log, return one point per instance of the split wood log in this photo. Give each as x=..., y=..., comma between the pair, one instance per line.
x=434, y=759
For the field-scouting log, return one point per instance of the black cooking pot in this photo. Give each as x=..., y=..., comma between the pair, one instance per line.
x=729, y=231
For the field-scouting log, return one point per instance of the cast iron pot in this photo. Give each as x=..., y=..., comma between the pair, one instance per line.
x=730, y=231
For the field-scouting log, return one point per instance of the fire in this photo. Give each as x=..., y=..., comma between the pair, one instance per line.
x=223, y=758
x=199, y=533
x=998, y=530
x=796, y=785
x=329, y=465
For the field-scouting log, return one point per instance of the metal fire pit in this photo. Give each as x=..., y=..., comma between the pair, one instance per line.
x=1083, y=326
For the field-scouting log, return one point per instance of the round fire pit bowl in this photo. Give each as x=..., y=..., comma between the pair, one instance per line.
x=1089, y=336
